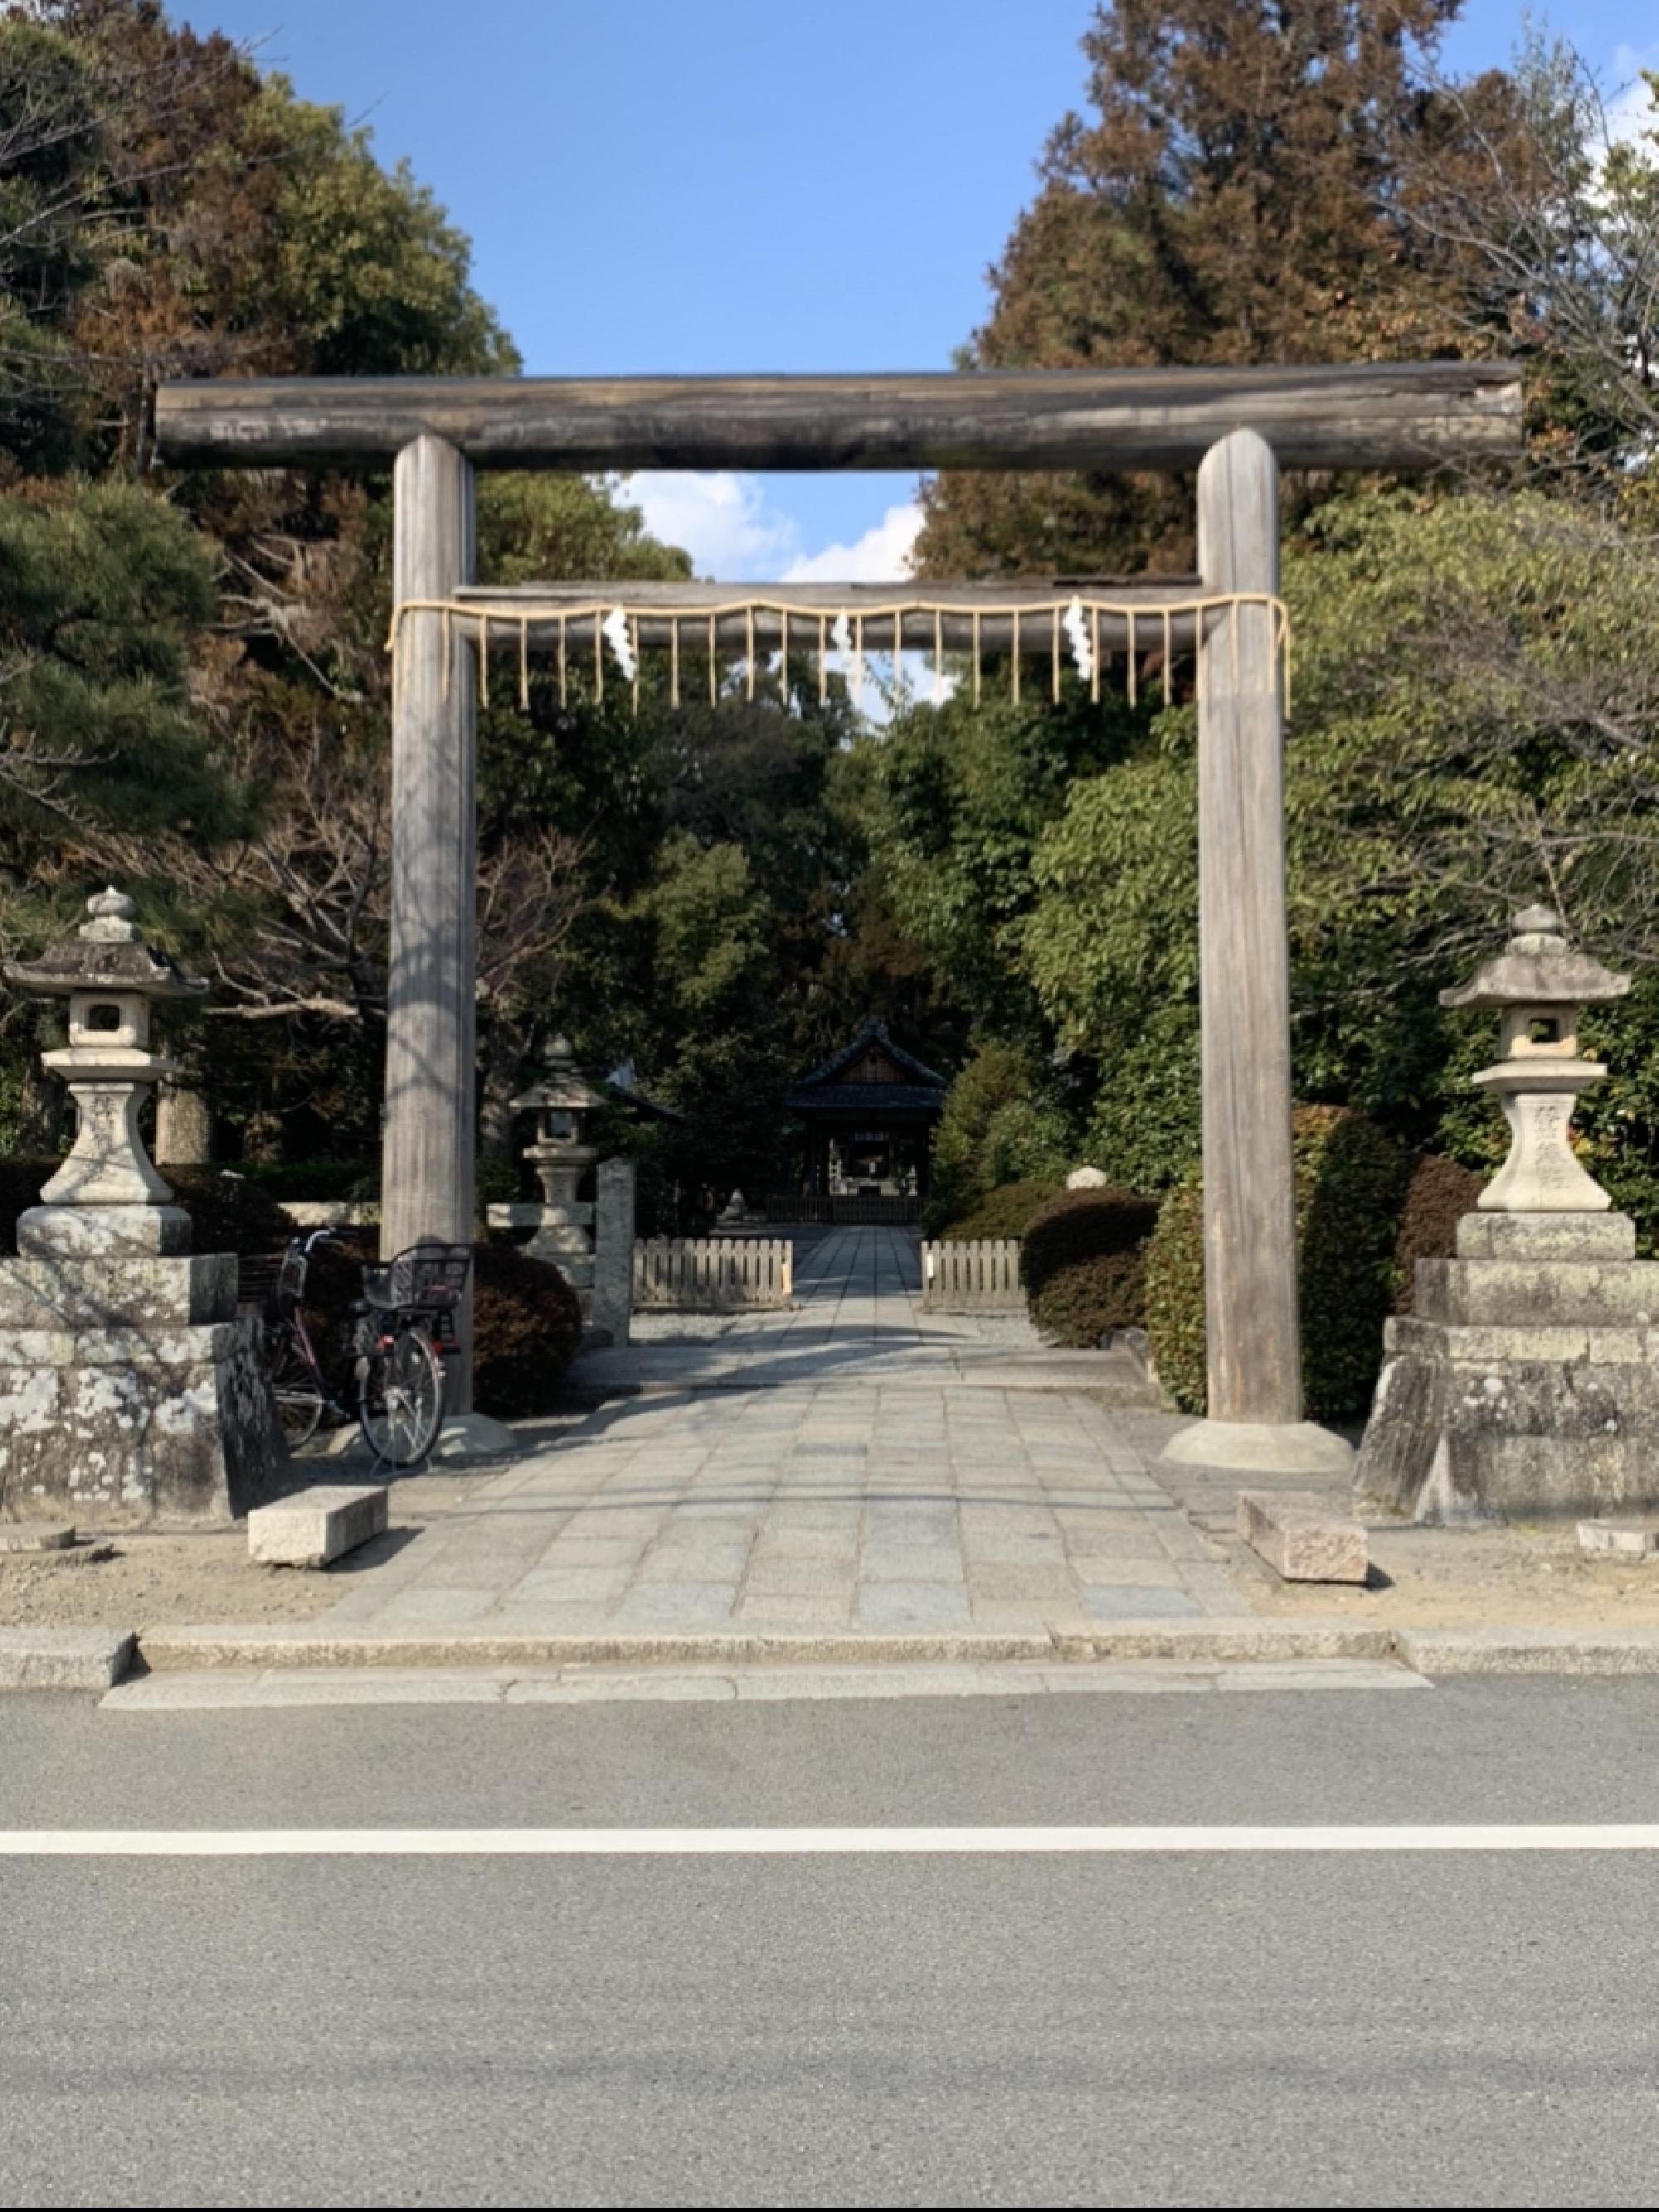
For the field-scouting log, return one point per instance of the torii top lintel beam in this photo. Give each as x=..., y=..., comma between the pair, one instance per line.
x=1367, y=415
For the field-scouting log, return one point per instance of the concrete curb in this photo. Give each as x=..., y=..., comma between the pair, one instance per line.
x=63, y=1658
x=1206, y=1642
x=1441, y=1651
x=1431, y=1651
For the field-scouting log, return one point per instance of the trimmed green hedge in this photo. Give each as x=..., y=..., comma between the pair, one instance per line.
x=527, y=1322
x=1083, y=1260
x=1005, y=1211
x=1351, y=1182
x=1440, y=1193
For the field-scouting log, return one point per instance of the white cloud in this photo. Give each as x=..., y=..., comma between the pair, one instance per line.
x=882, y=555
x=732, y=532
x=1630, y=110
x=725, y=521
x=721, y=517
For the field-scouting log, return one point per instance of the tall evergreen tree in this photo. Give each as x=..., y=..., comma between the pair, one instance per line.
x=1233, y=197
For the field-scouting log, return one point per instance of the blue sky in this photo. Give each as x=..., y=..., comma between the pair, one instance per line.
x=686, y=185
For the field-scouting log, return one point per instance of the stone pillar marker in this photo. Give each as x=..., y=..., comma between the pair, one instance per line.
x=613, y=1251
x=1254, y=1423
x=1525, y=1384
x=129, y=1389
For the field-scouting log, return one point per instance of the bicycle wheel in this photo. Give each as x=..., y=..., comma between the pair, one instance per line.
x=297, y=1390
x=400, y=1398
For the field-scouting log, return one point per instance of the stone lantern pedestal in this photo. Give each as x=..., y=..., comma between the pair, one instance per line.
x=129, y=1387
x=1525, y=1384
x=562, y=1223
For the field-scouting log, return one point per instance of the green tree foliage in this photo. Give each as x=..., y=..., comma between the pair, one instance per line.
x=998, y=1127
x=1474, y=728
x=168, y=210
x=101, y=586
x=1351, y=1185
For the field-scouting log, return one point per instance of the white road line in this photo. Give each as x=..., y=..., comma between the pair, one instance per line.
x=792, y=1843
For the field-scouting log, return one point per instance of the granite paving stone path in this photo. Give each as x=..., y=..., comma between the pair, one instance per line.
x=853, y=1466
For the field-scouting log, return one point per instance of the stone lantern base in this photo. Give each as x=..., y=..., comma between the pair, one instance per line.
x=129, y=1389
x=1526, y=1383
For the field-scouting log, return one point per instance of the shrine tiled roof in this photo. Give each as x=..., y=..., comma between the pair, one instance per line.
x=820, y=1091
x=874, y=1033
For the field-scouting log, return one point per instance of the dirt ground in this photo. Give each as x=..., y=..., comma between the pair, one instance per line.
x=1468, y=1578
x=173, y=1578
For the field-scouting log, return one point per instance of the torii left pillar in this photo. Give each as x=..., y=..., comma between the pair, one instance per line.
x=427, y=1182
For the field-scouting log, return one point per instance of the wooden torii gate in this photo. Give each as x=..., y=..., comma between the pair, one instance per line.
x=1236, y=427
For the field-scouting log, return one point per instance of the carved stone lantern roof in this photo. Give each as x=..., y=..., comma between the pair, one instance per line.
x=1537, y=968
x=107, y=953
x=564, y=1087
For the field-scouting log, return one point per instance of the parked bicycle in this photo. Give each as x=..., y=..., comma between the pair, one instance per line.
x=400, y=1334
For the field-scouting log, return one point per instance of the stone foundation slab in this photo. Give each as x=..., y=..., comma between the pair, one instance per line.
x=130, y=1437
x=81, y=1292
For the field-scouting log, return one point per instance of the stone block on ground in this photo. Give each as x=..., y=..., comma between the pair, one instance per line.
x=1301, y=1537
x=1635, y=1540
x=316, y=1526
x=36, y=1535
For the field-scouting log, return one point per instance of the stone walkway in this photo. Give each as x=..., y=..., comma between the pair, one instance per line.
x=853, y=1465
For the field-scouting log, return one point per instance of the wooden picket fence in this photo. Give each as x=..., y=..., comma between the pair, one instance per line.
x=712, y=1274
x=973, y=1275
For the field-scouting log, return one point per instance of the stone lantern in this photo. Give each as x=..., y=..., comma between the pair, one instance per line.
x=1539, y=987
x=1524, y=1382
x=562, y=1223
x=129, y=1387
x=107, y=1197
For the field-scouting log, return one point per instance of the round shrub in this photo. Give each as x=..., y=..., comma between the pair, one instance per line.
x=1350, y=1190
x=1083, y=1258
x=1005, y=1211
x=526, y=1327
x=1438, y=1194
x=527, y=1323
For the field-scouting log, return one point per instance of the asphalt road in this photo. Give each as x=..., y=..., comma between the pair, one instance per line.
x=1254, y=2029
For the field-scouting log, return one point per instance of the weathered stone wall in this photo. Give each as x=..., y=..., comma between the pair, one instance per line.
x=130, y=1390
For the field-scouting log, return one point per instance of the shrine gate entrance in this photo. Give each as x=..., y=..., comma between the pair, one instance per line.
x=1236, y=427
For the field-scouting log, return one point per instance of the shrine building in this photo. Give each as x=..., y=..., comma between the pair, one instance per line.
x=869, y=1111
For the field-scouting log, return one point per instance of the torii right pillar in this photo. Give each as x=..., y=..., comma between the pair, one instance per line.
x=1254, y=1422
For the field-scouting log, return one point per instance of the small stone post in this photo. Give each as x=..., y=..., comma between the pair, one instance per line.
x=613, y=1251
x=128, y=1386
